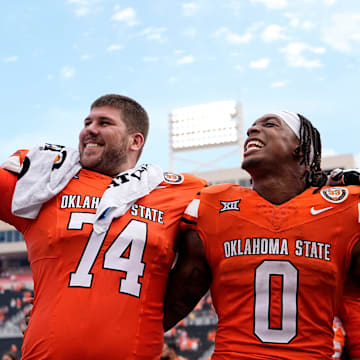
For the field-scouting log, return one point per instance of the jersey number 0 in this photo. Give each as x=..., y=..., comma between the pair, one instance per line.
x=288, y=318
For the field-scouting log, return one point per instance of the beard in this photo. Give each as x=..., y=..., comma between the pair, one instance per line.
x=112, y=160
x=109, y=162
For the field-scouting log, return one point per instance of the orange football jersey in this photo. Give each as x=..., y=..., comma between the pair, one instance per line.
x=278, y=270
x=99, y=297
x=351, y=321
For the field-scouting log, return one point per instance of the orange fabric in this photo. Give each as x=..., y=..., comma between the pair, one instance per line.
x=278, y=271
x=351, y=321
x=98, y=318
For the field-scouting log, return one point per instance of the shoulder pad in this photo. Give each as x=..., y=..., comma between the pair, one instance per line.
x=173, y=178
x=218, y=188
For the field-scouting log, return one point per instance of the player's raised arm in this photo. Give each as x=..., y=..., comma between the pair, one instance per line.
x=188, y=281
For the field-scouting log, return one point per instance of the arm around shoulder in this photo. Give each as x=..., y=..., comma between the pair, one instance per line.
x=354, y=270
x=188, y=281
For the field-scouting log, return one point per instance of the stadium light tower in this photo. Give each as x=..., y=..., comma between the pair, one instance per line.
x=205, y=126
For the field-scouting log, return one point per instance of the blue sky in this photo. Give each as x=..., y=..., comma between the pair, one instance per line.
x=57, y=56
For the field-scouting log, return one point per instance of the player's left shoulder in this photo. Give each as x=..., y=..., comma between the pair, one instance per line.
x=340, y=194
x=181, y=180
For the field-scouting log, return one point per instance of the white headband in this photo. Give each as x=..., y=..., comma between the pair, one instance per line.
x=291, y=119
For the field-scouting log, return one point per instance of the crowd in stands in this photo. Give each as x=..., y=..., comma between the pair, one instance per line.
x=195, y=334
x=192, y=336
x=14, y=305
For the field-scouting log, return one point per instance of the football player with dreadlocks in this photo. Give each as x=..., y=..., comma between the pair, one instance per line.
x=276, y=256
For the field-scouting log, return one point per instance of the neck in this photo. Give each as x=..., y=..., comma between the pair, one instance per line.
x=278, y=190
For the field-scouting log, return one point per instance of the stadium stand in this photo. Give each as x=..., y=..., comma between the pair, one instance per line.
x=195, y=334
x=13, y=307
x=15, y=287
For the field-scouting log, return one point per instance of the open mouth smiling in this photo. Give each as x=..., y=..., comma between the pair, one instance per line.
x=253, y=145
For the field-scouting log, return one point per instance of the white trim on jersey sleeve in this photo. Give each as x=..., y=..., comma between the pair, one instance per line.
x=12, y=164
x=193, y=208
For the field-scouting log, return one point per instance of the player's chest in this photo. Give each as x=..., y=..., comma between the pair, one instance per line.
x=248, y=230
x=307, y=217
x=149, y=225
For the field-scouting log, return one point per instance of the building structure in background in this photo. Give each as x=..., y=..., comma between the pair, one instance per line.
x=14, y=265
x=205, y=126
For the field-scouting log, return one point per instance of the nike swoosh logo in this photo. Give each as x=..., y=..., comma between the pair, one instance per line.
x=313, y=211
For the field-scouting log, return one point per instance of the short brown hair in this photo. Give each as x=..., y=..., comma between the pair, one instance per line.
x=134, y=115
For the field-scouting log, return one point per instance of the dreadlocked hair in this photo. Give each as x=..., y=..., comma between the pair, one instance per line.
x=310, y=145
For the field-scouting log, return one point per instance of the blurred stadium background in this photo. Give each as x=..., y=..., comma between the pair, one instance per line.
x=192, y=131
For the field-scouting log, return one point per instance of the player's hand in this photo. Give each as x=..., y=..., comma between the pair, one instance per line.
x=344, y=177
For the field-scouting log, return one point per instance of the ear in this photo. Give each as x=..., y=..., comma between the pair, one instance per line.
x=297, y=152
x=136, y=142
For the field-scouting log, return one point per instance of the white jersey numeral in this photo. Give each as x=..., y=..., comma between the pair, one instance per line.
x=132, y=238
x=288, y=328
